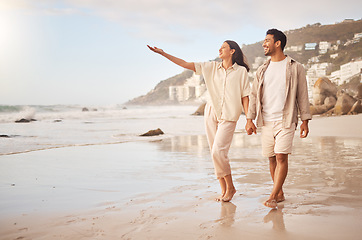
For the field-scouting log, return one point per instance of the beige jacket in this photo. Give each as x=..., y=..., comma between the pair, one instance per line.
x=296, y=95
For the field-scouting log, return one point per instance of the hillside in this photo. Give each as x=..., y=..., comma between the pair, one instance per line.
x=159, y=95
x=315, y=33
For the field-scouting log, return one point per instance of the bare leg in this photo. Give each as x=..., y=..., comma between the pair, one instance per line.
x=230, y=189
x=223, y=189
x=280, y=173
x=272, y=167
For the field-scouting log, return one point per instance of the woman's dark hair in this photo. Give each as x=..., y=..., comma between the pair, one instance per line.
x=238, y=55
x=278, y=36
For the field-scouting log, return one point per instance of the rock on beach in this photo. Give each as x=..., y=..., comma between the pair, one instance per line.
x=152, y=133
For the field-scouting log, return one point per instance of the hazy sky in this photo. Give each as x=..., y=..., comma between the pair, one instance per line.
x=94, y=51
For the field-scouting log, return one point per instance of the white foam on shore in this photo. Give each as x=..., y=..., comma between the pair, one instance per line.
x=67, y=127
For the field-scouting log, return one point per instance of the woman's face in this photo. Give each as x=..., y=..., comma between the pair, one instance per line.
x=225, y=52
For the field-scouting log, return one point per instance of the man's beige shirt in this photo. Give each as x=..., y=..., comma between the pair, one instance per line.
x=296, y=102
x=226, y=88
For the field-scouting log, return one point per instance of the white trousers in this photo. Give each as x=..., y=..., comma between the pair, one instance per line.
x=219, y=135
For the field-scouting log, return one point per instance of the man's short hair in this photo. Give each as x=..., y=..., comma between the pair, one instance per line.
x=278, y=36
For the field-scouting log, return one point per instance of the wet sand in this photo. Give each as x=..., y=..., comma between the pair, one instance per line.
x=164, y=189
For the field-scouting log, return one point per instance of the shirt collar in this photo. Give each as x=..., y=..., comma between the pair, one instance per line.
x=234, y=66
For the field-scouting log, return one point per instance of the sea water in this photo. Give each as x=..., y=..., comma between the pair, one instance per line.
x=68, y=125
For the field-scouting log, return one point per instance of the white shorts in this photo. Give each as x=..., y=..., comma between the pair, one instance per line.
x=276, y=139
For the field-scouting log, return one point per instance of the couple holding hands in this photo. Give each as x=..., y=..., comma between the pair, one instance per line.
x=278, y=95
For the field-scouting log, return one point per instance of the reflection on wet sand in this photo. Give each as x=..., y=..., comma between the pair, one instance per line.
x=276, y=217
x=323, y=171
x=227, y=214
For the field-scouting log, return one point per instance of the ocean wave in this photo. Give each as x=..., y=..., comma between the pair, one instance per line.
x=10, y=108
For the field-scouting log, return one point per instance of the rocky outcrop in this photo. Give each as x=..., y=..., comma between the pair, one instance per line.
x=359, y=91
x=318, y=109
x=344, y=103
x=356, y=108
x=152, y=133
x=329, y=101
x=322, y=89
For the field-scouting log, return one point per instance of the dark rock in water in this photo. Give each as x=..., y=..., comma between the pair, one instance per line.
x=200, y=110
x=24, y=120
x=4, y=136
x=85, y=109
x=152, y=133
x=124, y=108
x=58, y=120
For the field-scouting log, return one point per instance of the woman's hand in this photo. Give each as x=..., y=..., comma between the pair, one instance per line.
x=156, y=50
x=178, y=61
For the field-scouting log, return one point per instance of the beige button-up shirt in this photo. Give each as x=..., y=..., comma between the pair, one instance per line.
x=226, y=88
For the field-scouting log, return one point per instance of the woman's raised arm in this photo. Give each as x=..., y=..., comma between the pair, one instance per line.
x=178, y=61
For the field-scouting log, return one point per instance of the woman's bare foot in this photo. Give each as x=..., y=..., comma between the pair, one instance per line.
x=219, y=198
x=229, y=195
x=272, y=203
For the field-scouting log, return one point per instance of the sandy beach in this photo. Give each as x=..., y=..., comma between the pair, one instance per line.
x=165, y=189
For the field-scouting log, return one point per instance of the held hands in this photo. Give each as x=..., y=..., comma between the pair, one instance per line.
x=250, y=127
x=156, y=50
x=304, y=130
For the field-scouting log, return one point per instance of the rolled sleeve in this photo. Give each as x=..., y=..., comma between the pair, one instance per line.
x=252, y=100
x=245, y=91
x=198, y=68
x=302, y=95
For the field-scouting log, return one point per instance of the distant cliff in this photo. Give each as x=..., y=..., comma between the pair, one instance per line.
x=160, y=94
x=316, y=33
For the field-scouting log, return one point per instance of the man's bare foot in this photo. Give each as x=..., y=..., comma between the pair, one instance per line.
x=280, y=198
x=229, y=195
x=272, y=203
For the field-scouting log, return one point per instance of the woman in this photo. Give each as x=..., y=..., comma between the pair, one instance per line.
x=228, y=87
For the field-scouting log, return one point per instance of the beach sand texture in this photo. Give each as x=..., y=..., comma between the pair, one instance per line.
x=165, y=189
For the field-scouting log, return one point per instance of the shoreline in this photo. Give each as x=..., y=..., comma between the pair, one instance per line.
x=164, y=189
x=316, y=126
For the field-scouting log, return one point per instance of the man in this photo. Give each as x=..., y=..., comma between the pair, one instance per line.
x=279, y=92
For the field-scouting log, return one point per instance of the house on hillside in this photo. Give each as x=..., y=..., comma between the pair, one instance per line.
x=346, y=72
x=297, y=48
x=193, y=88
x=310, y=46
x=324, y=46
